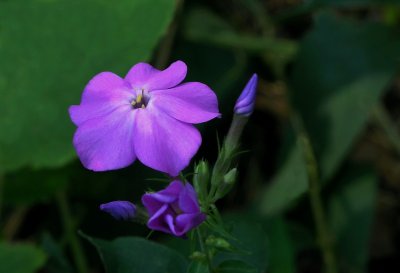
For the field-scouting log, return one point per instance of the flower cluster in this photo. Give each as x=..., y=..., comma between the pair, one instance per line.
x=148, y=115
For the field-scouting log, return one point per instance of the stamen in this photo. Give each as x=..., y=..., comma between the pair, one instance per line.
x=139, y=98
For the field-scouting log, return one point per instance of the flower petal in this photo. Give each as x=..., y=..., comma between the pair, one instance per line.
x=143, y=75
x=102, y=95
x=106, y=143
x=162, y=142
x=188, y=200
x=185, y=222
x=192, y=102
x=158, y=222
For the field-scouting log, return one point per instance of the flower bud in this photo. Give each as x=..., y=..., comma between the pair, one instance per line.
x=198, y=256
x=245, y=104
x=120, y=210
x=201, y=179
x=218, y=243
x=228, y=181
x=230, y=177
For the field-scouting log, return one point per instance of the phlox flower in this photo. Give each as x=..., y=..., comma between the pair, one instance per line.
x=148, y=115
x=174, y=210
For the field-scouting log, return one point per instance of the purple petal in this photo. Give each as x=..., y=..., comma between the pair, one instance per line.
x=162, y=142
x=143, y=75
x=157, y=221
x=186, y=222
x=188, y=200
x=120, y=210
x=106, y=143
x=102, y=95
x=245, y=103
x=192, y=102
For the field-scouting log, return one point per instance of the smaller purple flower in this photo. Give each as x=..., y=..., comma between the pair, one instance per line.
x=245, y=104
x=120, y=210
x=174, y=210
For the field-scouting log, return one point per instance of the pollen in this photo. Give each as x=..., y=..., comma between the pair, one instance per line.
x=140, y=101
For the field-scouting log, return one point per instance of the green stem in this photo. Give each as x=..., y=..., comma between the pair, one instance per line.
x=166, y=46
x=69, y=229
x=384, y=120
x=1, y=197
x=324, y=236
x=204, y=249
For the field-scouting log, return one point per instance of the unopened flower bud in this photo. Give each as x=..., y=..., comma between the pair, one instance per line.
x=201, y=179
x=230, y=177
x=219, y=243
x=198, y=256
x=120, y=210
x=245, y=104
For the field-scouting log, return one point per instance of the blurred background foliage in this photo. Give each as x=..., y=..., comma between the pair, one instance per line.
x=329, y=79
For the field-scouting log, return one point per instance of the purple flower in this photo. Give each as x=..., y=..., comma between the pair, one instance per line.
x=120, y=210
x=174, y=210
x=245, y=104
x=148, y=115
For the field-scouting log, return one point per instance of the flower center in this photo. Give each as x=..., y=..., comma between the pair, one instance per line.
x=141, y=99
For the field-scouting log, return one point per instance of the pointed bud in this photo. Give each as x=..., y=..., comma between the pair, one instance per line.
x=230, y=177
x=120, y=210
x=201, y=179
x=227, y=184
x=245, y=104
x=218, y=243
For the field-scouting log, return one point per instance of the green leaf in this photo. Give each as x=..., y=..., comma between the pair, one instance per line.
x=282, y=253
x=235, y=266
x=351, y=216
x=289, y=183
x=27, y=187
x=20, y=258
x=137, y=255
x=250, y=242
x=57, y=262
x=49, y=50
x=197, y=267
x=341, y=71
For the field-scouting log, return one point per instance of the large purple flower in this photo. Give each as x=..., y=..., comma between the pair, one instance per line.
x=147, y=115
x=174, y=210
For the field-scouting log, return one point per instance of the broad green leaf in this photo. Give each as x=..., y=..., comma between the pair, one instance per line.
x=49, y=50
x=341, y=71
x=351, y=217
x=250, y=242
x=234, y=266
x=281, y=249
x=28, y=187
x=197, y=267
x=20, y=258
x=137, y=255
x=290, y=182
x=339, y=75
x=57, y=262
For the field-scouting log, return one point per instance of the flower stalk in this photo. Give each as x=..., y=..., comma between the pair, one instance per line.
x=69, y=227
x=324, y=236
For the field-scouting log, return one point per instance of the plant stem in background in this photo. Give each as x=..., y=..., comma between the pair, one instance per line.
x=72, y=238
x=14, y=221
x=384, y=120
x=204, y=249
x=1, y=198
x=164, y=52
x=325, y=240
